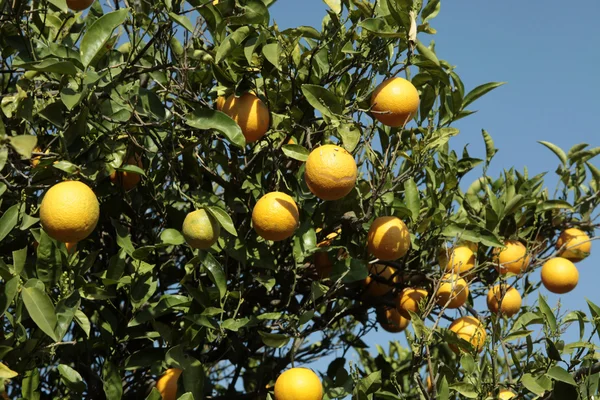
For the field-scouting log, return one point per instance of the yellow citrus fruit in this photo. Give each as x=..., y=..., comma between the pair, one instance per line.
x=291, y=141
x=323, y=262
x=429, y=383
x=221, y=99
x=330, y=172
x=215, y=2
x=513, y=257
x=388, y=238
x=200, y=229
x=71, y=247
x=559, y=275
x=275, y=216
x=457, y=260
x=69, y=211
x=167, y=384
x=79, y=5
x=577, y=244
x=36, y=160
x=470, y=329
x=395, y=102
x=250, y=113
x=298, y=384
x=375, y=288
x=409, y=300
x=453, y=291
x=391, y=320
x=504, y=299
x=127, y=180
x=506, y=395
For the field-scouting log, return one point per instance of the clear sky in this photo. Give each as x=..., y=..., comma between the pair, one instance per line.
x=547, y=51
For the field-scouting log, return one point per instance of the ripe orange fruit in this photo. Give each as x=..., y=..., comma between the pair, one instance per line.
x=36, y=160
x=79, y=5
x=221, y=99
x=395, y=102
x=388, y=238
x=391, y=320
x=409, y=300
x=376, y=288
x=470, y=329
x=250, y=113
x=512, y=257
x=127, y=180
x=330, y=172
x=323, y=262
x=167, y=384
x=453, y=291
x=200, y=229
x=577, y=244
x=504, y=299
x=69, y=211
x=457, y=260
x=506, y=395
x=298, y=384
x=71, y=247
x=559, y=275
x=275, y=216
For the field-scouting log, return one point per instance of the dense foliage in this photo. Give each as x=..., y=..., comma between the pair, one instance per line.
x=81, y=93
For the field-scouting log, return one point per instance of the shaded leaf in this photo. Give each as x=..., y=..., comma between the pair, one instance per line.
x=224, y=219
x=23, y=144
x=204, y=118
x=99, y=33
x=322, y=100
x=295, y=151
x=40, y=309
x=274, y=339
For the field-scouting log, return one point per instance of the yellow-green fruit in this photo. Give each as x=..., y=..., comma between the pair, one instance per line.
x=167, y=384
x=69, y=211
x=395, y=102
x=577, y=244
x=388, y=238
x=298, y=384
x=200, y=229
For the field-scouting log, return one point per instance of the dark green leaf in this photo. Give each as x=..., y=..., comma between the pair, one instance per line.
x=547, y=312
x=560, y=374
x=232, y=42
x=479, y=91
x=49, y=261
x=322, y=100
x=111, y=378
x=205, y=118
x=99, y=33
x=428, y=54
x=411, y=198
x=274, y=339
x=23, y=144
x=295, y=151
x=71, y=378
x=215, y=272
x=9, y=220
x=531, y=384
x=40, y=309
x=224, y=219
x=379, y=27
x=7, y=293
x=183, y=21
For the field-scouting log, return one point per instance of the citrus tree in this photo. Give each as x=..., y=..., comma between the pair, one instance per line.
x=193, y=201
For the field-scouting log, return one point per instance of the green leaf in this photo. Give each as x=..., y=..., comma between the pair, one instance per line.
x=431, y=10
x=254, y=12
x=31, y=381
x=479, y=91
x=53, y=66
x=322, y=100
x=560, y=374
x=554, y=205
x=83, y=322
x=232, y=42
x=531, y=384
x=224, y=219
x=369, y=384
x=411, y=198
x=274, y=339
x=428, y=54
x=517, y=335
x=350, y=135
x=23, y=144
x=123, y=237
x=556, y=150
x=467, y=390
x=215, y=272
x=99, y=33
x=472, y=233
x=335, y=5
x=172, y=236
x=3, y=158
x=295, y=151
x=9, y=220
x=595, y=311
x=40, y=309
x=71, y=378
x=144, y=358
x=6, y=373
x=379, y=27
x=65, y=312
x=154, y=395
x=547, y=312
x=205, y=118
x=468, y=364
x=48, y=264
x=7, y=293
x=490, y=151
x=271, y=52
x=112, y=384
x=183, y=21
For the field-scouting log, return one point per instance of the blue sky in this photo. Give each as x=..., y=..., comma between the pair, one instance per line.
x=547, y=51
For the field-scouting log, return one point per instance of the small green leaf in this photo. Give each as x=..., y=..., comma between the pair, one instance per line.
x=431, y=10
x=224, y=219
x=9, y=220
x=112, y=384
x=40, y=309
x=379, y=27
x=295, y=151
x=428, y=54
x=411, y=198
x=322, y=100
x=479, y=91
x=71, y=378
x=517, y=335
x=275, y=340
x=556, y=150
x=99, y=33
x=467, y=390
x=560, y=374
x=172, y=236
x=531, y=384
x=547, y=312
x=271, y=52
x=52, y=66
x=215, y=272
x=490, y=151
x=350, y=135
x=205, y=118
x=23, y=144
x=231, y=42
x=7, y=293
x=183, y=21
